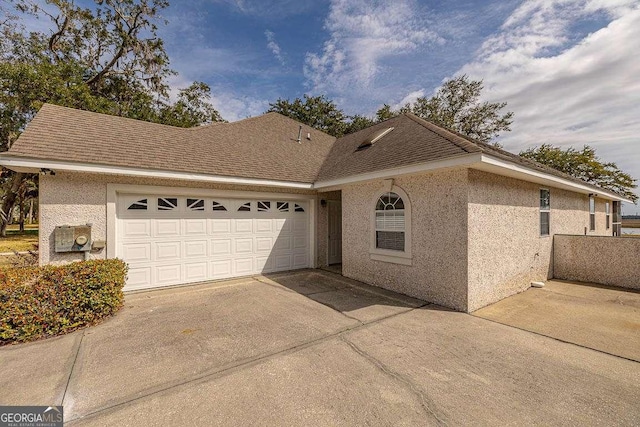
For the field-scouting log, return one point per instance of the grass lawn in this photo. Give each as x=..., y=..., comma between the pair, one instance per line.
x=16, y=241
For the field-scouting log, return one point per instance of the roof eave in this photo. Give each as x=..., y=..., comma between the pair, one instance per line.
x=502, y=167
x=464, y=160
x=34, y=165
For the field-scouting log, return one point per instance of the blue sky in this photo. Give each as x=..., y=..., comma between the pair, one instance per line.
x=568, y=69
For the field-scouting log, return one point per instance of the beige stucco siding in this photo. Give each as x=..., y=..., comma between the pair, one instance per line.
x=598, y=259
x=73, y=199
x=506, y=251
x=439, y=242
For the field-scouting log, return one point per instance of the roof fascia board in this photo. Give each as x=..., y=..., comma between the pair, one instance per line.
x=463, y=160
x=497, y=166
x=23, y=164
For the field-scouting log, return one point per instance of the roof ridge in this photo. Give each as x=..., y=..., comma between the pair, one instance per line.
x=462, y=142
x=49, y=105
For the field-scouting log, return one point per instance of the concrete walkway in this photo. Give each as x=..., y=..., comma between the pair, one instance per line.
x=600, y=317
x=313, y=348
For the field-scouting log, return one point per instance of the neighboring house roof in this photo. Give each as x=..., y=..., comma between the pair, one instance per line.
x=263, y=147
x=266, y=148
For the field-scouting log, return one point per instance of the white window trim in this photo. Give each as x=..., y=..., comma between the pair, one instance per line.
x=595, y=218
x=386, y=255
x=542, y=211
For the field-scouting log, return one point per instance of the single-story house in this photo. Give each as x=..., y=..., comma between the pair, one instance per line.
x=404, y=204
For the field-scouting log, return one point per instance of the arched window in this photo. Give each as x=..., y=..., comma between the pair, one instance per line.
x=390, y=222
x=391, y=227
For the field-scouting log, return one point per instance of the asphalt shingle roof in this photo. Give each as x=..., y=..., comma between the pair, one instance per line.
x=263, y=147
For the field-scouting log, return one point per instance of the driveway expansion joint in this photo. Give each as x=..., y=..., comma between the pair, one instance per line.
x=235, y=367
x=73, y=365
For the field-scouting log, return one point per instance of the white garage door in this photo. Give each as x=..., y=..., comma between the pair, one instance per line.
x=169, y=240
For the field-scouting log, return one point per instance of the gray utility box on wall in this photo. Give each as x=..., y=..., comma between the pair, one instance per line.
x=72, y=238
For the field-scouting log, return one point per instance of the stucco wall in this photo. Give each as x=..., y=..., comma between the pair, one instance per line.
x=439, y=242
x=322, y=226
x=606, y=260
x=506, y=251
x=73, y=199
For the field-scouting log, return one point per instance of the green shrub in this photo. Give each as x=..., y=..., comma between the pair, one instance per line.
x=37, y=302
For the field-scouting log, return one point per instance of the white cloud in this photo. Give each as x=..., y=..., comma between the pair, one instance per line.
x=409, y=99
x=273, y=46
x=567, y=92
x=269, y=9
x=231, y=105
x=362, y=35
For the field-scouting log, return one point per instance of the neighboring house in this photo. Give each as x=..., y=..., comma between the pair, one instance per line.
x=404, y=205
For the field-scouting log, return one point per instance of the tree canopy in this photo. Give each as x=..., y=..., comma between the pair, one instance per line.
x=107, y=58
x=585, y=165
x=456, y=105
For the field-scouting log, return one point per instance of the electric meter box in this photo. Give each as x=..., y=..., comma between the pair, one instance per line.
x=72, y=238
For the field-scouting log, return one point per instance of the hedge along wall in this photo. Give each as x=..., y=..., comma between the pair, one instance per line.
x=52, y=300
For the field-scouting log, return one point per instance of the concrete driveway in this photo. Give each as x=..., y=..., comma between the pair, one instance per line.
x=600, y=317
x=313, y=348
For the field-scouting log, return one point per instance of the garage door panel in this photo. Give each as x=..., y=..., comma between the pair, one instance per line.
x=264, y=264
x=243, y=226
x=283, y=262
x=264, y=225
x=167, y=251
x=221, y=269
x=243, y=246
x=196, y=272
x=185, y=245
x=136, y=252
x=283, y=225
x=139, y=277
x=167, y=227
x=195, y=248
x=221, y=247
x=300, y=224
x=300, y=242
x=136, y=228
x=283, y=243
x=195, y=227
x=264, y=244
x=168, y=274
x=220, y=226
x=243, y=266
x=300, y=260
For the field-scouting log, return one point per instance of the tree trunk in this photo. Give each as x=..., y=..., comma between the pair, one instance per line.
x=21, y=210
x=9, y=201
x=30, y=211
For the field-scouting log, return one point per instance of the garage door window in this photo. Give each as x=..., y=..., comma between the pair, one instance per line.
x=264, y=206
x=217, y=206
x=245, y=207
x=299, y=208
x=282, y=206
x=195, y=204
x=139, y=205
x=167, y=204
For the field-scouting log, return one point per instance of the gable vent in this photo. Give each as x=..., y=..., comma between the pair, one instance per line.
x=373, y=138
